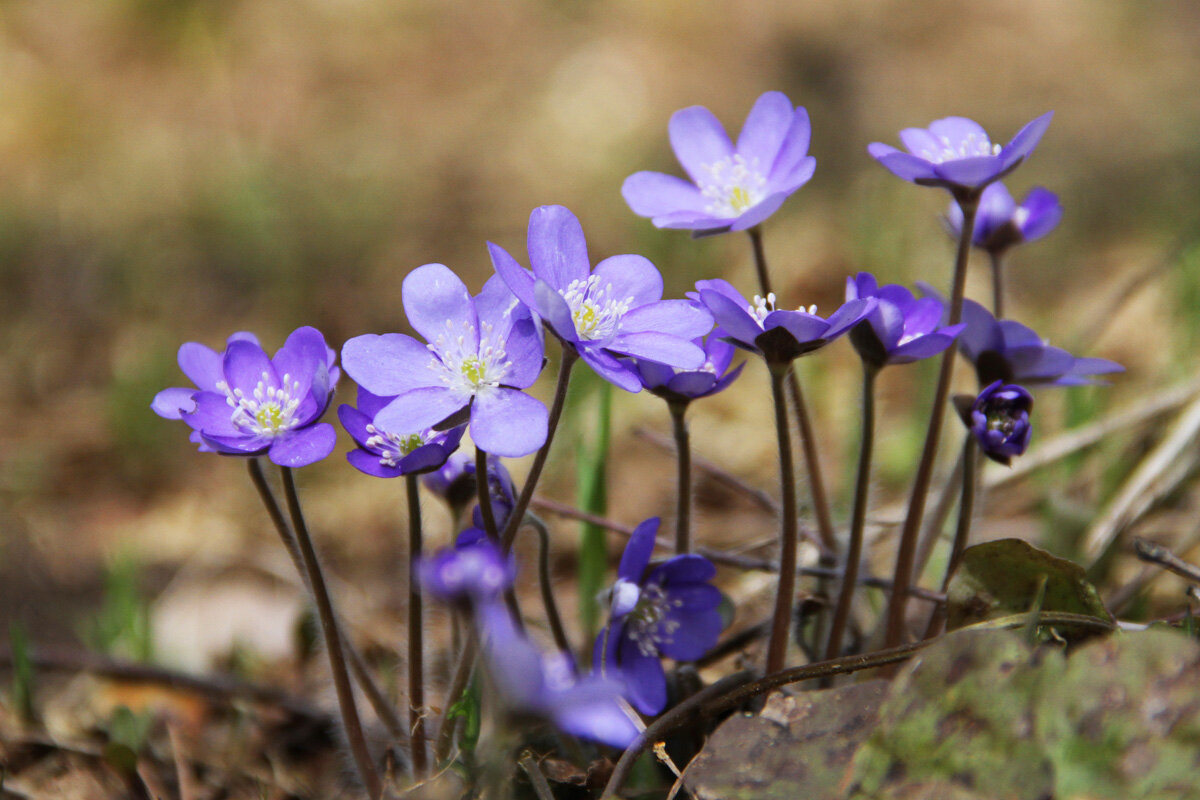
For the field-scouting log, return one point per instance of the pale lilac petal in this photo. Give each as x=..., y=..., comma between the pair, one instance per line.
x=171, y=403
x=848, y=316
x=902, y=165
x=498, y=308
x=661, y=347
x=630, y=276
x=211, y=414
x=525, y=349
x=555, y=312
x=304, y=447
x=419, y=409
x=437, y=304
x=508, y=423
x=970, y=171
x=557, y=249
x=957, y=130
x=1026, y=139
x=921, y=143
x=202, y=365
x=699, y=140
x=735, y=319
x=793, y=155
x=638, y=551
x=759, y=212
x=518, y=279
x=590, y=710
x=922, y=316
x=1042, y=213
x=390, y=364
x=766, y=125
x=700, y=223
x=302, y=359
x=617, y=372
x=654, y=194
x=676, y=317
x=788, y=182
x=245, y=365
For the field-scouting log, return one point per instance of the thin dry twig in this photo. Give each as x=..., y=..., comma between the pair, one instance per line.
x=1157, y=554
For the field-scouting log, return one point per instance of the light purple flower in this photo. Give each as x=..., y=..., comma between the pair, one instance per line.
x=530, y=682
x=779, y=335
x=669, y=609
x=614, y=310
x=482, y=352
x=999, y=420
x=683, y=386
x=732, y=188
x=473, y=571
x=1000, y=223
x=388, y=454
x=956, y=153
x=248, y=404
x=901, y=328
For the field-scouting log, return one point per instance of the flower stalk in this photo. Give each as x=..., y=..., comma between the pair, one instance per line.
x=683, y=460
x=788, y=533
x=416, y=628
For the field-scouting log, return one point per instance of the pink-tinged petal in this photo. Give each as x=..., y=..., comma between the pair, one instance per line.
x=677, y=317
x=698, y=140
x=759, y=212
x=437, y=304
x=902, y=165
x=557, y=249
x=419, y=409
x=245, y=365
x=630, y=276
x=518, y=279
x=508, y=423
x=734, y=318
x=1026, y=139
x=766, y=126
x=792, y=156
x=390, y=364
x=654, y=194
x=638, y=551
x=921, y=143
x=970, y=171
x=202, y=365
x=645, y=681
x=304, y=447
x=619, y=373
x=555, y=311
x=172, y=403
x=661, y=347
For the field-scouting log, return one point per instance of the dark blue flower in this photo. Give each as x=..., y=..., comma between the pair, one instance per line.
x=732, y=187
x=683, y=386
x=388, y=454
x=249, y=404
x=1000, y=223
x=999, y=420
x=901, y=328
x=668, y=609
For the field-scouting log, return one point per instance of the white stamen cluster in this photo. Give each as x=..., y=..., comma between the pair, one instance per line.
x=972, y=146
x=391, y=446
x=465, y=367
x=595, y=310
x=268, y=410
x=734, y=185
x=647, y=625
x=760, y=308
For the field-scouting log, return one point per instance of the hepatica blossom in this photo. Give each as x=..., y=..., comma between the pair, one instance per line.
x=387, y=454
x=683, y=386
x=614, y=310
x=1000, y=223
x=956, y=153
x=482, y=351
x=901, y=328
x=732, y=188
x=999, y=420
x=779, y=335
x=246, y=403
x=665, y=610
x=474, y=570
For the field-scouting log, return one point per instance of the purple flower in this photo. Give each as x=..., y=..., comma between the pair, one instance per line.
x=387, y=454
x=474, y=570
x=1000, y=223
x=532, y=683
x=683, y=386
x=732, y=188
x=669, y=609
x=998, y=419
x=455, y=483
x=1007, y=351
x=248, y=404
x=482, y=352
x=956, y=153
x=776, y=334
x=615, y=310
x=901, y=328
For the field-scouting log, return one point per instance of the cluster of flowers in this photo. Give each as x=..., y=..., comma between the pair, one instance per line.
x=478, y=354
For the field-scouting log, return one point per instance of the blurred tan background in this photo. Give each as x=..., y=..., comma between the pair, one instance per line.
x=175, y=170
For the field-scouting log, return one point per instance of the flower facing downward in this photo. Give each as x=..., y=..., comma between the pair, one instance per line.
x=683, y=386
x=669, y=609
x=901, y=328
x=998, y=419
x=614, y=310
x=482, y=351
x=1000, y=223
x=778, y=335
x=386, y=454
x=956, y=153
x=732, y=187
x=248, y=404
x=474, y=570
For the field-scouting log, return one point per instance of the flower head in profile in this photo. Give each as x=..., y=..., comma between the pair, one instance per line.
x=614, y=310
x=482, y=351
x=668, y=609
x=955, y=153
x=998, y=418
x=684, y=386
x=388, y=454
x=531, y=683
x=779, y=335
x=1009, y=352
x=1000, y=223
x=901, y=328
x=473, y=571
x=732, y=187
x=247, y=404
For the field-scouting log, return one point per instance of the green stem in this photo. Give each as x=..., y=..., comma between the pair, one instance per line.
x=416, y=628
x=458, y=684
x=781, y=620
x=683, y=459
x=569, y=357
x=333, y=641
x=905, y=556
x=858, y=521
